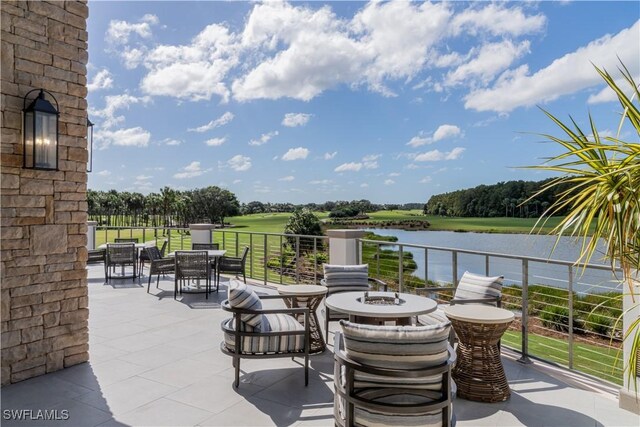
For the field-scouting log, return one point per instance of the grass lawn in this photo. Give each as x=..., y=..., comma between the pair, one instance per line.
x=598, y=360
x=275, y=222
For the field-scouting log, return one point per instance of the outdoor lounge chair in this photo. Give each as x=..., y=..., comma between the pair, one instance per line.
x=144, y=255
x=346, y=278
x=258, y=333
x=393, y=375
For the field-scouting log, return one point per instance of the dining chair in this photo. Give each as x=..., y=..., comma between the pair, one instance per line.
x=144, y=256
x=123, y=255
x=214, y=260
x=126, y=240
x=192, y=265
x=158, y=265
x=233, y=265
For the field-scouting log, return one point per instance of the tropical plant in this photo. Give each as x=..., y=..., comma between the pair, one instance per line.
x=603, y=199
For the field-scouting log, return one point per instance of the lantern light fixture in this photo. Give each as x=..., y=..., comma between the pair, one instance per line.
x=89, y=145
x=40, y=132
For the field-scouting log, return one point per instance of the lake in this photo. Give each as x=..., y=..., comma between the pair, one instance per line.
x=537, y=246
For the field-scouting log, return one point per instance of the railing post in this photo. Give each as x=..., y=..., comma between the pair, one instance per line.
x=144, y=235
x=400, y=269
x=297, y=259
x=570, y=296
x=426, y=267
x=343, y=246
x=224, y=240
x=524, y=358
x=281, y=260
x=454, y=267
x=169, y=240
x=486, y=265
x=237, y=244
x=315, y=260
x=378, y=260
x=266, y=259
x=251, y=255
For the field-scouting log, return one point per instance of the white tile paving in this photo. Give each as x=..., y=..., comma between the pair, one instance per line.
x=155, y=361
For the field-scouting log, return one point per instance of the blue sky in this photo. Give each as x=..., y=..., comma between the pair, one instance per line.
x=313, y=101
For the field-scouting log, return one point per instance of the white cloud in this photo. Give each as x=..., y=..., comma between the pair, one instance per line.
x=102, y=80
x=131, y=137
x=119, y=31
x=606, y=94
x=264, y=138
x=195, y=71
x=425, y=180
x=437, y=155
x=104, y=173
x=329, y=156
x=364, y=185
x=113, y=103
x=568, y=74
x=389, y=182
x=348, y=167
x=443, y=132
x=239, y=163
x=220, y=121
x=296, y=154
x=236, y=181
x=215, y=142
x=497, y=20
x=192, y=170
x=287, y=178
x=446, y=131
x=417, y=141
x=321, y=182
x=172, y=141
x=491, y=59
x=370, y=161
x=132, y=57
x=295, y=119
x=393, y=174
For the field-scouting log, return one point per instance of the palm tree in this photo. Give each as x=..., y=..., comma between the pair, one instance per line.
x=603, y=198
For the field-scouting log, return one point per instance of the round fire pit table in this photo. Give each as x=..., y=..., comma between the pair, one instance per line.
x=307, y=296
x=478, y=372
x=379, y=307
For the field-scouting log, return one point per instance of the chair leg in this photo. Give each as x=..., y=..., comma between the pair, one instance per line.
x=326, y=322
x=244, y=277
x=237, y=366
x=175, y=288
x=306, y=369
x=149, y=284
x=157, y=281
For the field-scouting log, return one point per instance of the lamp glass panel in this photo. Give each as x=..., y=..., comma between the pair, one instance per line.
x=46, y=140
x=28, y=139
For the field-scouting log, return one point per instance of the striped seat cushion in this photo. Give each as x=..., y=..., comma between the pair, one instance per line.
x=474, y=286
x=434, y=317
x=241, y=296
x=403, y=347
x=265, y=344
x=344, y=278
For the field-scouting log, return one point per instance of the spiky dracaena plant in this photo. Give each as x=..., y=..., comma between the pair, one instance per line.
x=603, y=201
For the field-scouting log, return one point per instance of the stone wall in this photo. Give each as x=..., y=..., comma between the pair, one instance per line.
x=44, y=213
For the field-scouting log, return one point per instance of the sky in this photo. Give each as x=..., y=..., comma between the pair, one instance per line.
x=313, y=101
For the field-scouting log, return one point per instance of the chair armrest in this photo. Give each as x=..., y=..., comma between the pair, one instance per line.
x=300, y=310
x=379, y=283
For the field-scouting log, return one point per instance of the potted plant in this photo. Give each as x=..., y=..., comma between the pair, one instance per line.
x=603, y=202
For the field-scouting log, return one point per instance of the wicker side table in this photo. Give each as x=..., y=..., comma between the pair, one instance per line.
x=308, y=296
x=478, y=373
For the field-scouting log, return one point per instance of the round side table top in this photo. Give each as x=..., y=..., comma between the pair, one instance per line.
x=475, y=313
x=302, y=290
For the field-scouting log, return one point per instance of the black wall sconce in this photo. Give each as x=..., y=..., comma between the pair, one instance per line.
x=40, y=132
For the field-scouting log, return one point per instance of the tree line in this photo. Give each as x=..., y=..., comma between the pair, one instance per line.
x=504, y=199
x=357, y=206
x=168, y=208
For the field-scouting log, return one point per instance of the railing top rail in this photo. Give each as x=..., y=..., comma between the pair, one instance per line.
x=226, y=230
x=493, y=254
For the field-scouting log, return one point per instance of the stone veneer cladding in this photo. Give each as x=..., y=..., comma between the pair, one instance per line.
x=44, y=213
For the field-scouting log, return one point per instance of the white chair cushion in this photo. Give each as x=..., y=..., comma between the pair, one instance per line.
x=474, y=286
x=241, y=296
x=345, y=278
x=261, y=344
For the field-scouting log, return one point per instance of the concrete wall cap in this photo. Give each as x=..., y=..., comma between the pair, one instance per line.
x=201, y=226
x=346, y=234
x=92, y=223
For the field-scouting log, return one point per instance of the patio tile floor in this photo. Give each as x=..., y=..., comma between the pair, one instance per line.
x=156, y=361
